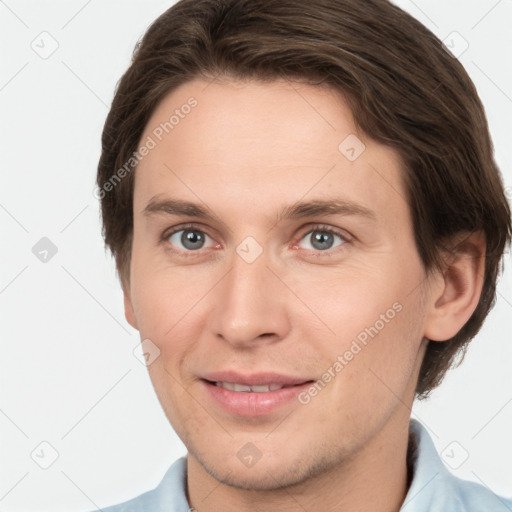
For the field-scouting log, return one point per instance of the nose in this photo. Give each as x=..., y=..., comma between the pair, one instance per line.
x=250, y=305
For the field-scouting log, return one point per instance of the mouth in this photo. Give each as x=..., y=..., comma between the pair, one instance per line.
x=260, y=397
x=257, y=388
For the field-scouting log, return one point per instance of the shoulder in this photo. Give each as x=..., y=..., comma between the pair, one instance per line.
x=472, y=496
x=434, y=487
x=170, y=494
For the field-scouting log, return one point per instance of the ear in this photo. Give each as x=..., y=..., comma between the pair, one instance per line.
x=458, y=289
x=129, y=313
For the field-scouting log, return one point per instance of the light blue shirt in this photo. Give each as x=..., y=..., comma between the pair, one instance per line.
x=433, y=487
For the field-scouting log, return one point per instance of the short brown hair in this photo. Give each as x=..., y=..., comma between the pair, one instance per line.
x=404, y=89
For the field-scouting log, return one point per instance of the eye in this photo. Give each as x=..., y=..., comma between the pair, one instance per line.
x=323, y=238
x=190, y=239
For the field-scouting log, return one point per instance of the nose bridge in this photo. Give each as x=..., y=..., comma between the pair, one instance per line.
x=249, y=304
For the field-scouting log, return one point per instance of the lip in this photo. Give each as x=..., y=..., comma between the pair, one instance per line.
x=254, y=379
x=253, y=404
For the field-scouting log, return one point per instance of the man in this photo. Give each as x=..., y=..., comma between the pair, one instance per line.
x=308, y=225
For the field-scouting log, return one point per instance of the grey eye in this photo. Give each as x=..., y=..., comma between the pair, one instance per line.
x=322, y=240
x=190, y=239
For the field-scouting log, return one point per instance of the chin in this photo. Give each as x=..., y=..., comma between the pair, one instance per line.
x=266, y=474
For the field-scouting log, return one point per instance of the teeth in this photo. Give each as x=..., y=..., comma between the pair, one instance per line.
x=248, y=389
x=241, y=387
x=260, y=389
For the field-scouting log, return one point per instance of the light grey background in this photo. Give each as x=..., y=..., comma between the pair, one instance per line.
x=68, y=375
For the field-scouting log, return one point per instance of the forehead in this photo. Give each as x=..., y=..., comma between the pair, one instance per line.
x=264, y=144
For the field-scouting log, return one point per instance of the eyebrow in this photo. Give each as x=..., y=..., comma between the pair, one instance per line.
x=170, y=206
x=326, y=207
x=317, y=207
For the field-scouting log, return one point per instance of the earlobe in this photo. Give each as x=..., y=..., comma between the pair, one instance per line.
x=460, y=289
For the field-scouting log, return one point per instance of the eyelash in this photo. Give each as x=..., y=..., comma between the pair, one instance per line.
x=316, y=227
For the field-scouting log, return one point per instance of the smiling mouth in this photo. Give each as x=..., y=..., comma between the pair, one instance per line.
x=262, y=388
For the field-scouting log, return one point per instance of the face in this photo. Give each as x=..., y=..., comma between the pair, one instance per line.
x=272, y=248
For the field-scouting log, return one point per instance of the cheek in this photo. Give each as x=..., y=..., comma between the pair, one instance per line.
x=162, y=296
x=387, y=356
x=375, y=330
x=151, y=306
x=348, y=300
x=373, y=378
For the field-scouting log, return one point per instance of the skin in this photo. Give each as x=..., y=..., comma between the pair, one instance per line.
x=246, y=151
